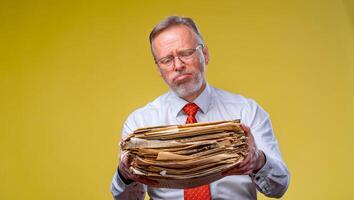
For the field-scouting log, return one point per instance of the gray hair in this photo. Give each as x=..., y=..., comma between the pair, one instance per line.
x=175, y=21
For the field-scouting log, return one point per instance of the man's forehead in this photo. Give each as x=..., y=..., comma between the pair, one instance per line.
x=174, y=34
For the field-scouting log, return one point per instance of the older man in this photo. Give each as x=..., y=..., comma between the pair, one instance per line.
x=181, y=56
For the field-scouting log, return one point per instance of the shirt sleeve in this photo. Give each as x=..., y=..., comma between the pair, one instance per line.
x=273, y=178
x=119, y=189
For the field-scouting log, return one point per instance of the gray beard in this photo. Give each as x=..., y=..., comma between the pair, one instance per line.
x=183, y=90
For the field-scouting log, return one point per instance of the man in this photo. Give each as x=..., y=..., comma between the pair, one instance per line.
x=181, y=57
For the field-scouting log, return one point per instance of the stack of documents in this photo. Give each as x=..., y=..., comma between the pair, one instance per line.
x=184, y=156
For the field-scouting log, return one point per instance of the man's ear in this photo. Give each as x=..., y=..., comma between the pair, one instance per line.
x=206, y=54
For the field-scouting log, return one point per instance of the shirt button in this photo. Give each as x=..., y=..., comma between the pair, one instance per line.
x=266, y=188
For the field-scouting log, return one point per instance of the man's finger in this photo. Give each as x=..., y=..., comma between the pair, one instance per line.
x=235, y=172
x=247, y=159
x=246, y=129
x=244, y=168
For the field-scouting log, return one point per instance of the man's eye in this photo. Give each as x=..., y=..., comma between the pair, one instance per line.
x=165, y=60
x=186, y=53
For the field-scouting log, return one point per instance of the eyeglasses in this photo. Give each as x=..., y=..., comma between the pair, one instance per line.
x=184, y=56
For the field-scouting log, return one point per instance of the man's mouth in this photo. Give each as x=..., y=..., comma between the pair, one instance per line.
x=182, y=78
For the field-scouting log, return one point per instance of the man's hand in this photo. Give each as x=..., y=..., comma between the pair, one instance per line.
x=253, y=162
x=128, y=176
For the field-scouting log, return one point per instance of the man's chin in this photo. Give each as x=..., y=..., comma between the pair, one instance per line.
x=187, y=88
x=183, y=91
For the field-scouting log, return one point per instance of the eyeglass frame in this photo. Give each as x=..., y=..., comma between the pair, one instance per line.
x=178, y=56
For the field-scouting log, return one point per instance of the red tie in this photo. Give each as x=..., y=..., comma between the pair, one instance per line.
x=201, y=192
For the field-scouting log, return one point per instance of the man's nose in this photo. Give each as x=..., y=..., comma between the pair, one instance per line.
x=179, y=64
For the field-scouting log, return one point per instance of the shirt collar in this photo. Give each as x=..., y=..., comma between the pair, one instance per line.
x=203, y=101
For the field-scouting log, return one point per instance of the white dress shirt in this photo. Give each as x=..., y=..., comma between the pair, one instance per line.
x=215, y=105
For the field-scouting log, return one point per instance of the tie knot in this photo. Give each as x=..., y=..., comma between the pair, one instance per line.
x=190, y=109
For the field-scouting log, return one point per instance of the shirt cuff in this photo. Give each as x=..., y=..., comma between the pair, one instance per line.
x=122, y=191
x=260, y=178
x=117, y=186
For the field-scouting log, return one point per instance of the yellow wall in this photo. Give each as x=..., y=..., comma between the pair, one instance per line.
x=70, y=73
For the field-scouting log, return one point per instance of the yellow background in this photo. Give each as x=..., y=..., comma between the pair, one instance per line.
x=71, y=72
